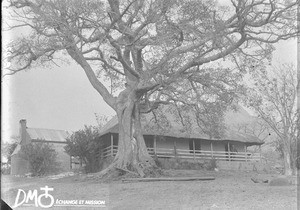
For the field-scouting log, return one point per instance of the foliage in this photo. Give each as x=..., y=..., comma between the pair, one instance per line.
x=101, y=120
x=274, y=98
x=149, y=44
x=5, y=168
x=172, y=163
x=258, y=128
x=7, y=149
x=82, y=144
x=187, y=119
x=211, y=165
x=42, y=158
x=204, y=98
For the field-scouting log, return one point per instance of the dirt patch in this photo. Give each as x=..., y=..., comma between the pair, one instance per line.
x=230, y=190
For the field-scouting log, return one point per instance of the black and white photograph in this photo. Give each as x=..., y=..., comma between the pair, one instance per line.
x=150, y=104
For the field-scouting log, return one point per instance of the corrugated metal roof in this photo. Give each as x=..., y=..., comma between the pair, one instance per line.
x=176, y=130
x=47, y=134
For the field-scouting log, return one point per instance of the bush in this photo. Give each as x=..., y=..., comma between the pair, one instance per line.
x=171, y=163
x=82, y=144
x=157, y=162
x=41, y=157
x=211, y=164
x=7, y=149
x=5, y=168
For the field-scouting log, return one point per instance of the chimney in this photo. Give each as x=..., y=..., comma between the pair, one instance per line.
x=22, y=131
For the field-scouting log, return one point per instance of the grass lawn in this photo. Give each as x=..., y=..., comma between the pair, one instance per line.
x=230, y=190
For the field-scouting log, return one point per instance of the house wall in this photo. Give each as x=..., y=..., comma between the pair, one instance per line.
x=164, y=143
x=182, y=144
x=168, y=143
x=205, y=145
x=239, y=146
x=219, y=146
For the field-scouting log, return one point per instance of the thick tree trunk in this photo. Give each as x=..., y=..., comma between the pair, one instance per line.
x=132, y=152
x=288, y=169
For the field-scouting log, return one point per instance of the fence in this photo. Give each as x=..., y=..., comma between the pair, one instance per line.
x=191, y=154
x=109, y=151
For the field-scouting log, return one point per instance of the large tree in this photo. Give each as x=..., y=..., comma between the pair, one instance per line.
x=146, y=47
x=274, y=98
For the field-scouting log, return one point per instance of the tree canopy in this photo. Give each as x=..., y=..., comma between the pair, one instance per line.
x=274, y=98
x=151, y=43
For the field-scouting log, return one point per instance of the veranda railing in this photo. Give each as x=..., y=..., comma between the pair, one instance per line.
x=191, y=154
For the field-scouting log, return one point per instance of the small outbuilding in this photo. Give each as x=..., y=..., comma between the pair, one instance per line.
x=57, y=139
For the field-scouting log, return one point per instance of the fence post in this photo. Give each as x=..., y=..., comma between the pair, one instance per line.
x=228, y=150
x=111, y=145
x=175, y=151
x=245, y=152
x=211, y=150
x=194, y=149
x=154, y=145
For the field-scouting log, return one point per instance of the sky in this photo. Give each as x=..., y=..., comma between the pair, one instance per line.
x=62, y=97
x=58, y=98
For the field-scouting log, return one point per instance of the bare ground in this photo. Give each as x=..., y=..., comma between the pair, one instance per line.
x=230, y=190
